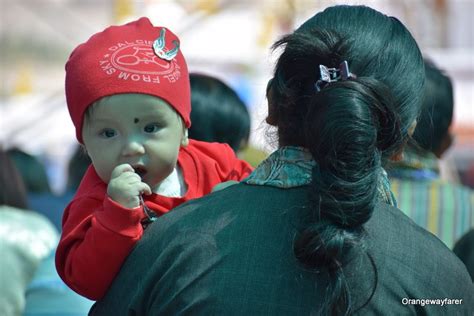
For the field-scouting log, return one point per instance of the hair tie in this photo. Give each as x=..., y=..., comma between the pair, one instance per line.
x=328, y=75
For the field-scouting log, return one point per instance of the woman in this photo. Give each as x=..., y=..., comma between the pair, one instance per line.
x=313, y=229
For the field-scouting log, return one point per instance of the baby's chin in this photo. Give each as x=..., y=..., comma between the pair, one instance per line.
x=104, y=178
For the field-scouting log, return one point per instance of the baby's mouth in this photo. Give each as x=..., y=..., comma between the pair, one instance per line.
x=140, y=170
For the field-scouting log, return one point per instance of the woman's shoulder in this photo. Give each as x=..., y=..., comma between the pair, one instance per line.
x=394, y=233
x=405, y=233
x=418, y=261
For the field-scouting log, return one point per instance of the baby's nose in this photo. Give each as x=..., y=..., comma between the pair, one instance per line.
x=132, y=148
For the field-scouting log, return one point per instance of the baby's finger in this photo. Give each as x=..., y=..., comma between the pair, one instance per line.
x=145, y=189
x=121, y=169
x=130, y=177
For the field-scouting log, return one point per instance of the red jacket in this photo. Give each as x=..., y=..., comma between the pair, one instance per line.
x=98, y=233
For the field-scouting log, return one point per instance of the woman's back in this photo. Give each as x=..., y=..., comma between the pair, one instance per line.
x=193, y=266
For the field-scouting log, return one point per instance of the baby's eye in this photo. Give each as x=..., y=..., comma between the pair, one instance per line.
x=108, y=133
x=151, y=128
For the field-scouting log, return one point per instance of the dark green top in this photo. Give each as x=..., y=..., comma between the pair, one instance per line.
x=231, y=253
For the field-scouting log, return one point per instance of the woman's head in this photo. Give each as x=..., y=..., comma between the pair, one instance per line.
x=379, y=50
x=349, y=126
x=217, y=113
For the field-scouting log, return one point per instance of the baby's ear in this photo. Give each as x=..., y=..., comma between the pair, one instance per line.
x=84, y=149
x=185, y=139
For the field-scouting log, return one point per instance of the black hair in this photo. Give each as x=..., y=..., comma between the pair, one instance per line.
x=12, y=187
x=350, y=127
x=32, y=171
x=437, y=109
x=217, y=112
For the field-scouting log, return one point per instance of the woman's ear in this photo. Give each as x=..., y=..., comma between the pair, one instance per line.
x=272, y=117
x=398, y=156
x=185, y=139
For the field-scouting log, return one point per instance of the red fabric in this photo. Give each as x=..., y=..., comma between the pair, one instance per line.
x=98, y=233
x=121, y=59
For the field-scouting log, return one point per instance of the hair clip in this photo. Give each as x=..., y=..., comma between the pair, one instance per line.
x=328, y=75
x=159, y=47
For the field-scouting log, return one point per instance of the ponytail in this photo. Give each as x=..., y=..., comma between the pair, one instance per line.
x=343, y=127
x=350, y=127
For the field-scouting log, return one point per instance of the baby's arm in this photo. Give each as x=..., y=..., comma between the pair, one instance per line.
x=98, y=233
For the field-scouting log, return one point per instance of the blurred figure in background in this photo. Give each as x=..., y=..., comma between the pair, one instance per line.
x=47, y=294
x=468, y=178
x=219, y=115
x=38, y=190
x=464, y=249
x=445, y=209
x=32, y=171
x=51, y=205
x=26, y=237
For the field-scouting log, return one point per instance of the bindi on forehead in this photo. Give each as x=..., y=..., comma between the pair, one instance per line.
x=136, y=120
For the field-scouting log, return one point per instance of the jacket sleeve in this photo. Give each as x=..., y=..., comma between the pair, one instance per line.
x=97, y=236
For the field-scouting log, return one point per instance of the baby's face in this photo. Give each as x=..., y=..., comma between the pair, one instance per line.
x=138, y=129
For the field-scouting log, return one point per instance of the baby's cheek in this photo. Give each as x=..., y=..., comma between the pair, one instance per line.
x=104, y=172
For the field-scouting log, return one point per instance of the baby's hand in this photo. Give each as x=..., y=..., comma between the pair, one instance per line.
x=125, y=186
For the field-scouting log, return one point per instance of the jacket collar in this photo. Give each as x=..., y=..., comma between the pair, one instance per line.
x=291, y=166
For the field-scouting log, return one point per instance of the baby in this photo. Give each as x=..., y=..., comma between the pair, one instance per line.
x=128, y=94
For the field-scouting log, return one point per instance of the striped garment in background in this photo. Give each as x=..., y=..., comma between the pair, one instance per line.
x=445, y=209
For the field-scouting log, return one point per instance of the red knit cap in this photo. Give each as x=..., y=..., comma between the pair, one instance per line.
x=132, y=58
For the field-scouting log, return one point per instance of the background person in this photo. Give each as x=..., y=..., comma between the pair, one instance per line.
x=32, y=172
x=312, y=229
x=444, y=208
x=26, y=237
x=464, y=249
x=53, y=205
x=219, y=115
x=47, y=294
